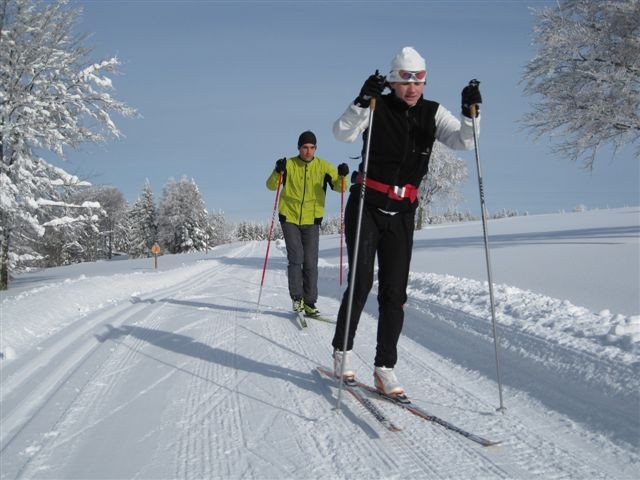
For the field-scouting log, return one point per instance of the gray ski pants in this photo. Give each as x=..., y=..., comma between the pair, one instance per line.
x=302, y=255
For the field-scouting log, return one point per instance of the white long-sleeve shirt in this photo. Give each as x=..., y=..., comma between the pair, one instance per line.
x=449, y=130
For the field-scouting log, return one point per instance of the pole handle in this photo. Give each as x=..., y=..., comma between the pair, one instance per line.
x=372, y=103
x=473, y=109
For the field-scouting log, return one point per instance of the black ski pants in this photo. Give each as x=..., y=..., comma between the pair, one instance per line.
x=390, y=238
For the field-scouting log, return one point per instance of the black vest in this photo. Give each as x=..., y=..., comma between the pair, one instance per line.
x=400, y=148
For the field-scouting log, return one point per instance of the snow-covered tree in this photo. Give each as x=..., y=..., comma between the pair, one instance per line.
x=51, y=97
x=182, y=217
x=330, y=225
x=446, y=173
x=112, y=228
x=143, y=221
x=451, y=216
x=586, y=76
x=246, y=231
x=580, y=208
x=29, y=201
x=504, y=213
x=65, y=223
x=73, y=235
x=219, y=231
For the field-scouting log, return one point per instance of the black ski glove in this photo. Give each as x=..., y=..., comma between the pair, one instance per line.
x=372, y=87
x=281, y=165
x=343, y=169
x=471, y=96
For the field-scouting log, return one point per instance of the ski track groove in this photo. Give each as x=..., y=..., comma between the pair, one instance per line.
x=523, y=439
x=47, y=391
x=229, y=410
x=315, y=343
x=257, y=429
x=408, y=455
x=83, y=325
x=404, y=456
x=132, y=349
x=423, y=456
x=281, y=328
x=195, y=458
x=226, y=403
x=389, y=461
x=92, y=393
x=39, y=398
x=201, y=451
x=464, y=401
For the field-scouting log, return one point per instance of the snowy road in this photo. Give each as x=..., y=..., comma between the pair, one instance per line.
x=187, y=381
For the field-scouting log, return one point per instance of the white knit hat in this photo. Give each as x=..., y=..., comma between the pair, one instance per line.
x=409, y=60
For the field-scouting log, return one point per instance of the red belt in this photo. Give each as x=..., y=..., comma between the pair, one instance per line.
x=393, y=192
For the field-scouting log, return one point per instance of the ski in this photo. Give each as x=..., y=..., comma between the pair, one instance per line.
x=301, y=318
x=321, y=318
x=360, y=395
x=407, y=404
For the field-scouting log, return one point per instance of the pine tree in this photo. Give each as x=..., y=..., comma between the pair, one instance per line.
x=183, y=218
x=143, y=219
x=220, y=232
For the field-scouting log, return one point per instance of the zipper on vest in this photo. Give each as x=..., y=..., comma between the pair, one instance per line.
x=304, y=192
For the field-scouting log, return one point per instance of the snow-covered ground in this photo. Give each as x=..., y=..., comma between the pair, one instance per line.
x=116, y=370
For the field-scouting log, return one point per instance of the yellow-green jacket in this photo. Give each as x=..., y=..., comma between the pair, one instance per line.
x=304, y=186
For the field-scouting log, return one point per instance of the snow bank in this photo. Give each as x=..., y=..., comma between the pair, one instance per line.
x=604, y=333
x=62, y=303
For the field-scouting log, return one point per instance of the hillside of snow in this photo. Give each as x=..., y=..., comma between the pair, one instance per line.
x=118, y=370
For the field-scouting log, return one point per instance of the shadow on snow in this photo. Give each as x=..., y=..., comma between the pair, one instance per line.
x=185, y=345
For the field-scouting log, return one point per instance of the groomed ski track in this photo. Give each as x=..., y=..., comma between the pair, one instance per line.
x=191, y=382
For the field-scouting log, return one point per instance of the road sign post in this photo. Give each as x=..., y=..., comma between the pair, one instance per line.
x=155, y=249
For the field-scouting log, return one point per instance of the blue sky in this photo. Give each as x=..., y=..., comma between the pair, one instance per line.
x=225, y=88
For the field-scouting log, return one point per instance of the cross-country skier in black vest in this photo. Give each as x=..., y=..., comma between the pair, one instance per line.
x=404, y=128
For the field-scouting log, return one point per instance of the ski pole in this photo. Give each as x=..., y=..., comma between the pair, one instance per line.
x=487, y=254
x=341, y=225
x=266, y=257
x=354, y=261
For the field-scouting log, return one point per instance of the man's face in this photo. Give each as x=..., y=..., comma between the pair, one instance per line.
x=409, y=92
x=307, y=152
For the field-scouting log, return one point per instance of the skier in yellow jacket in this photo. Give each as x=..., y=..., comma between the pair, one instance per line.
x=305, y=178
